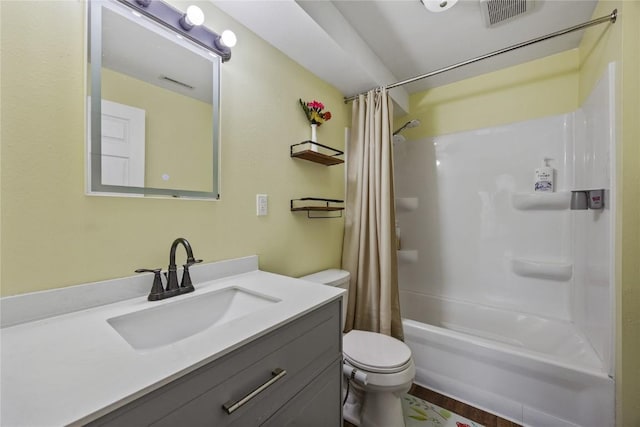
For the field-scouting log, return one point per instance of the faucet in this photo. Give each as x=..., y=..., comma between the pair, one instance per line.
x=158, y=292
x=172, y=274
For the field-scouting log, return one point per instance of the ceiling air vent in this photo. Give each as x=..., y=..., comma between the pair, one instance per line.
x=497, y=11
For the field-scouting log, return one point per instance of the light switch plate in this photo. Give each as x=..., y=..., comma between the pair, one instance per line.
x=261, y=204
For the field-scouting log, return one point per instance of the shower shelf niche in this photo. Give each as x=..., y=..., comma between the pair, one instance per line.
x=317, y=153
x=316, y=204
x=406, y=204
x=541, y=201
x=409, y=256
x=560, y=271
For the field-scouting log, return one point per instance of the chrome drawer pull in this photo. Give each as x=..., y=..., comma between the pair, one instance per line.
x=231, y=406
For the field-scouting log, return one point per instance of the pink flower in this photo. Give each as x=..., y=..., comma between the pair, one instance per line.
x=313, y=111
x=316, y=105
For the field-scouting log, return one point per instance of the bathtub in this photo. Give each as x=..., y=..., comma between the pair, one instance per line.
x=535, y=371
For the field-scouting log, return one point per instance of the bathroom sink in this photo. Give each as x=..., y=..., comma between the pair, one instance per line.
x=168, y=323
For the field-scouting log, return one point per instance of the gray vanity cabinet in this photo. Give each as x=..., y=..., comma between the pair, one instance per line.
x=309, y=349
x=318, y=404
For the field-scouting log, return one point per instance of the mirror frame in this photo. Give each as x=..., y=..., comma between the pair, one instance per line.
x=93, y=157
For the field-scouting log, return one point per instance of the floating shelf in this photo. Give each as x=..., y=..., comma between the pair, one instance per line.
x=541, y=201
x=315, y=204
x=317, y=153
x=560, y=271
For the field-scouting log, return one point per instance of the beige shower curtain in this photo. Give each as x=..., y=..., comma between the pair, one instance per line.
x=369, y=250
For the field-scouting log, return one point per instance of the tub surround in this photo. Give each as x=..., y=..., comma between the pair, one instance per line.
x=529, y=319
x=64, y=364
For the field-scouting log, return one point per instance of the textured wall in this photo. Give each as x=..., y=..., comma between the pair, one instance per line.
x=535, y=89
x=53, y=235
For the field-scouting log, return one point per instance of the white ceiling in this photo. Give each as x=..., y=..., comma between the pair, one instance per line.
x=360, y=44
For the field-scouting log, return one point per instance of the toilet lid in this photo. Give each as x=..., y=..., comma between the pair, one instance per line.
x=375, y=352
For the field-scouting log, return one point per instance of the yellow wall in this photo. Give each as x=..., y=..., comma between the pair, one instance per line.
x=535, y=89
x=174, y=131
x=53, y=235
x=601, y=45
x=559, y=84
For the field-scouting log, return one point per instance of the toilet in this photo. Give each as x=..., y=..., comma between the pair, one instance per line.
x=378, y=368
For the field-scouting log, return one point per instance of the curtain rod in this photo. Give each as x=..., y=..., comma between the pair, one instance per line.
x=608, y=18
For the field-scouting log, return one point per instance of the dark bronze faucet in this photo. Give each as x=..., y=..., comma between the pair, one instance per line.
x=172, y=275
x=158, y=292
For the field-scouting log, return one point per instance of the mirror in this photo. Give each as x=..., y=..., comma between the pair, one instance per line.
x=153, y=108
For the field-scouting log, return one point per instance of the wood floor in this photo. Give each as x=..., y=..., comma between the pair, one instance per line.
x=474, y=414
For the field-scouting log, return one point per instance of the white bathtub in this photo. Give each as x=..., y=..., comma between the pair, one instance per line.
x=535, y=371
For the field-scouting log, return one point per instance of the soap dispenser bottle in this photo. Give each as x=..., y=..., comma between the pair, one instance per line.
x=543, y=178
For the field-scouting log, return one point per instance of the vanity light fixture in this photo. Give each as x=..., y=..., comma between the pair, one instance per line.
x=188, y=25
x=192, y=18
x=228, y=38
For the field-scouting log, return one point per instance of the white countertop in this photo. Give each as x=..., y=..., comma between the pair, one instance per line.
x=74, y=367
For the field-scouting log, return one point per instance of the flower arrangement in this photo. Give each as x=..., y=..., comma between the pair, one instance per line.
x=313, y=111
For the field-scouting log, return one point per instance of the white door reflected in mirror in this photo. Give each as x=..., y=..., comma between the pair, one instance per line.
x=122, y=144
x=123, y=139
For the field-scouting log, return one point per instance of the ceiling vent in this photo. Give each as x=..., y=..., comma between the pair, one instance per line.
x=497, y=11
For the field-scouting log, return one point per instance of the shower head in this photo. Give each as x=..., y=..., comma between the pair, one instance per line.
x=410, y=124
x=413, y=123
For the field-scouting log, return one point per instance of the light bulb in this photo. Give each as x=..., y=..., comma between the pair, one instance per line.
x=228, y=38
x=195, y=16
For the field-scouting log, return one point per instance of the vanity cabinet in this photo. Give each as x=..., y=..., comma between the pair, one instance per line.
x=308, y=349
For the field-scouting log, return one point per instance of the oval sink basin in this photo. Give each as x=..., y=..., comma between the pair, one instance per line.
x=168, y=323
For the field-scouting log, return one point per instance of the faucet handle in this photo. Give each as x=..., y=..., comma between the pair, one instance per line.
x=186, y=285
x=157, y=290
x=148, y=270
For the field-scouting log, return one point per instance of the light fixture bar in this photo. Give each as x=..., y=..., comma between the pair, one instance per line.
x=169, y=17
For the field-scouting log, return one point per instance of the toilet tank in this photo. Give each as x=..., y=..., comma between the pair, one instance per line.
x=333, y=277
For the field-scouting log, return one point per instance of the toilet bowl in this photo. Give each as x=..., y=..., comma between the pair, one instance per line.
x=379, y=368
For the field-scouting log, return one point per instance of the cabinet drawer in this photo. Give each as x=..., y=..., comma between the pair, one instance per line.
x=317, y=405
x=303, y=348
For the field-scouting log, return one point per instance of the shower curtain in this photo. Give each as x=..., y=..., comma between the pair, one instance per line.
x=369, y=249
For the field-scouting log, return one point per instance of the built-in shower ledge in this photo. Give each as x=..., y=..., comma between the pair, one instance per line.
x=406, y=204
x=408, y=256
x=560, y=271
x=541, y=201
